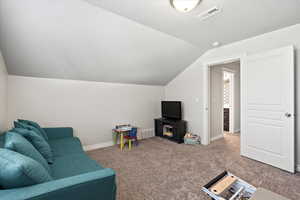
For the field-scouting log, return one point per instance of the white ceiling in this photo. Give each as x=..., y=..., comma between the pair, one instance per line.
x=130, y=41
x=238, y=19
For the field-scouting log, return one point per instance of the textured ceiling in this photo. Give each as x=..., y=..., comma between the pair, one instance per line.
x=130, y=41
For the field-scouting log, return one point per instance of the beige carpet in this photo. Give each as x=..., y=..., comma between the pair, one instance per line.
x=162, y=170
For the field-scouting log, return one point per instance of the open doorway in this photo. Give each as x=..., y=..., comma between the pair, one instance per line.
x=224, y=100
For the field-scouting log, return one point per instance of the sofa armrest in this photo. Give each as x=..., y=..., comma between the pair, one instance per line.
x=59, y=132
x=92, y=186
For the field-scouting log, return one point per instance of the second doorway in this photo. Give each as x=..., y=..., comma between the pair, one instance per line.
x=224, y=100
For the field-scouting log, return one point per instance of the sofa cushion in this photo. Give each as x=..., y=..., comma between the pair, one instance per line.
x=71, y=165
x=65, y=146
x=17, y=143
x=38, y=142
x=18, y=170
x=55, y=133
x=35, y=125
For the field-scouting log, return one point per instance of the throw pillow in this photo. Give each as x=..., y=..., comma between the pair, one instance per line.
x=28, y=127
x=18, y=170
x=37, y=141
x=17, y=143
x=35, y=125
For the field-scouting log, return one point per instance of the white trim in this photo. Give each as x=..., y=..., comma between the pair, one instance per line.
x=229, y=70
x=206, y=91
x=97, y=146
x=217, y=137
x=232, y=106
x=223, y=60
x=206, y=105
x=237, y=130
x=146, y=133
x=298, y=168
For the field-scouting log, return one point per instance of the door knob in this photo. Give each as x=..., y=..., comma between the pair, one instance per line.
x=288, y=115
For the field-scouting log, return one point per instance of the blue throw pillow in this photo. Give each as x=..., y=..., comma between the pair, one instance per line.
x=18, y=170
x=35, y=125
x=37, y=141
x=29, y=127
x=17, y=143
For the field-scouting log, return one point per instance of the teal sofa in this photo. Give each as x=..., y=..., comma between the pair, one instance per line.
x=76, y=176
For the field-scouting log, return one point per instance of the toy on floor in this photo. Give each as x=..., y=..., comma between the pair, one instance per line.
x=190, y=138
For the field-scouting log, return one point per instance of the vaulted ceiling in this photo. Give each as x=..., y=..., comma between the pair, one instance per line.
x=128, y=41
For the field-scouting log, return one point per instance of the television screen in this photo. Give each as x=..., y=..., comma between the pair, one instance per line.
x=171, y=109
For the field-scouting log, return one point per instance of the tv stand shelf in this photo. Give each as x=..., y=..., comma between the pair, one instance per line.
x=178, y=129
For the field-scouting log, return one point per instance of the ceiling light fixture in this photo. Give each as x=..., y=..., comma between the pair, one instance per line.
x=216, y=44
x=185, y=5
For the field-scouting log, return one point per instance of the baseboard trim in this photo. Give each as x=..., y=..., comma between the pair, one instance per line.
x=145, y=133
x=97, y=146
x=237, y=130
x=216, y=137
x=298, y=168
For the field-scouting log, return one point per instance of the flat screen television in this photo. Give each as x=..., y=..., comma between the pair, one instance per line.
x=171, y=109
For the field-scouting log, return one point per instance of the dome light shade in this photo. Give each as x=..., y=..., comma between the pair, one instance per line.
x=184, y=5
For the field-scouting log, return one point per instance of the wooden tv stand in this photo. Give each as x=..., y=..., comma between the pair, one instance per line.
x=178, y=129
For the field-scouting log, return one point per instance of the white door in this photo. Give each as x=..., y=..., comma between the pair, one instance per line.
x=267, y=100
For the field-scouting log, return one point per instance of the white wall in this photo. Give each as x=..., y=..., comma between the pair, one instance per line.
x=91, y=108
x=187, y=86
x=3, y=95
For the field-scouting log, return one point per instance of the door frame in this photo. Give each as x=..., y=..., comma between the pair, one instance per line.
x=206, y=90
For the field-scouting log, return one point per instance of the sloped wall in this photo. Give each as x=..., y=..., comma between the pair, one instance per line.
x=88, y=43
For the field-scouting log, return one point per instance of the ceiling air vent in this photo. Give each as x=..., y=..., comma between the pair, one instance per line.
x=209, y=13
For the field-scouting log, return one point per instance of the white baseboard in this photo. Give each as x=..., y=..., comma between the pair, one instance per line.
x=97, y=146
x=145, y=133
x=237, y=131
x=216, y=137
x=298, y=168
